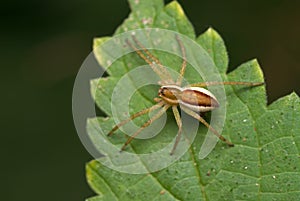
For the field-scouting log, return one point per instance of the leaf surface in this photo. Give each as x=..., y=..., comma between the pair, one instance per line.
x=263, y=165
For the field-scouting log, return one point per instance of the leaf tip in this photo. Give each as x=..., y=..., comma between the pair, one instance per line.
x=174, y=5
x=96, y=42
x=294, y=95
x=255, y=63
x=212, y=32
x=88, y=169
x=213, y=43
x=93, y=87
x=99, y=41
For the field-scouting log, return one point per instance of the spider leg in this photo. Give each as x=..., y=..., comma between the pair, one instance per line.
x=153, y=62
x=141, y=55
x=199, y=118
x=183, y=66
x=142, y=112
x=179, y=123
x=155, y=117
x=205, y=84
x=163, y=70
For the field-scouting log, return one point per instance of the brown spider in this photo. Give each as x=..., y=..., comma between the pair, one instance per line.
x=192, y=99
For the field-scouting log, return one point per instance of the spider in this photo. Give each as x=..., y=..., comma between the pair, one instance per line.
x=192, y=99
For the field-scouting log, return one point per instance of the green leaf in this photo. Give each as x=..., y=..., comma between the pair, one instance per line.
x=263, y=165
x=212, y=41
x=149, y=14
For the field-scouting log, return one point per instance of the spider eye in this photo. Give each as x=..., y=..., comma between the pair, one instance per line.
x=161, y=91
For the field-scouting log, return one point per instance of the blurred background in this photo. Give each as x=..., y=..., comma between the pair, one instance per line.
x=43, y=44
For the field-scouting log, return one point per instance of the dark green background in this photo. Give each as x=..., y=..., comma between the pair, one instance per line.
x=43, y=44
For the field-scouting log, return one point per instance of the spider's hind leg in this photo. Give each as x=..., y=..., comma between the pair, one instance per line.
x=199, y=118
x=206, y=84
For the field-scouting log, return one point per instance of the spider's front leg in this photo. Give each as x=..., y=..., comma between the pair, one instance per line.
x=152, y=119
x=140, y=113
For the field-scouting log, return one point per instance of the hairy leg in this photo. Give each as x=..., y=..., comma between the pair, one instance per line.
x=199, y=118
x=179, y=123
x=183, y=66
x=205, y=84
x=142, y=112
x=155, y=117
